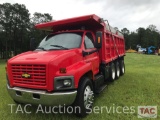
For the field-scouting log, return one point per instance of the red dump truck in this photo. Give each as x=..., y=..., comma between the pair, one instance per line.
x=69, y=65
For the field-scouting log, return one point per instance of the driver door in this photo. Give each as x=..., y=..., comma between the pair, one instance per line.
x=92, y=58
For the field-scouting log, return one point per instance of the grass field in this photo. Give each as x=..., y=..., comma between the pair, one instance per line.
x=140, y=86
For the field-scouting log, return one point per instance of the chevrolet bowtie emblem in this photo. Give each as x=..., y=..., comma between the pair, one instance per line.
x=26, y=75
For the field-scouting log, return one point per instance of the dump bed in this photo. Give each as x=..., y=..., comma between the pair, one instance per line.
x=113, y=45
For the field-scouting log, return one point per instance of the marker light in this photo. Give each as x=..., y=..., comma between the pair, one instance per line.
x=62, y=70
x=99, y=39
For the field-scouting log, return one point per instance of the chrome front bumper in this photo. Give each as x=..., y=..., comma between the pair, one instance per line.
x=23, y=95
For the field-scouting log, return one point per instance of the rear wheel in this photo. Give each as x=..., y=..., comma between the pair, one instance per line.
x=117, y=70
x=112, y=72
x=122, y=67
x=84, y=99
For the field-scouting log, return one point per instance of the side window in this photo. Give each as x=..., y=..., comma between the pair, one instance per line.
x=88, y=41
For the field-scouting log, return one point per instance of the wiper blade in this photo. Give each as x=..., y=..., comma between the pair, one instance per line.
x=41, y=48
x=60, y=46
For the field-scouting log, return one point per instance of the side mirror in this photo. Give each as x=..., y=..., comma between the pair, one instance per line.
x=98, y=42
x=88, y=53
x=32, y=44
x=84, y=53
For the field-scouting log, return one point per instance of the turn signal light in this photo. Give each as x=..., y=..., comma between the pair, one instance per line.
x=99, y=40
x=63, y=70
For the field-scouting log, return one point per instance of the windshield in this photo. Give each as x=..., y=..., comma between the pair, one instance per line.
x=61, y=41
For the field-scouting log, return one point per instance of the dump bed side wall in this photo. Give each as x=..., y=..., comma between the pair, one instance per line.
x=112, y=47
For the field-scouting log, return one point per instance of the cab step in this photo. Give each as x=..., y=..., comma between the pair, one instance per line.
x=99, y=90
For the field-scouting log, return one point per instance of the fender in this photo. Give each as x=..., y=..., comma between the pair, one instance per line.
x=77, y=70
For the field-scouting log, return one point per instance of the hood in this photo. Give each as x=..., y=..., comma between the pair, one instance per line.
x=46, y=56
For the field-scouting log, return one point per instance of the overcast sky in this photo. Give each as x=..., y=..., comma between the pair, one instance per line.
x=131, y=14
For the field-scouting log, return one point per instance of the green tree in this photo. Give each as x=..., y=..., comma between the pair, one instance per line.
x=40, y=18
x=14, y=20
x=141, y=36
x=37, y=19
x=144, y=37
x=152, y=28
x=153, y=35
x=126, y=32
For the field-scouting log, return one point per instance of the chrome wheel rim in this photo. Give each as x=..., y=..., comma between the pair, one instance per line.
x=88, y=97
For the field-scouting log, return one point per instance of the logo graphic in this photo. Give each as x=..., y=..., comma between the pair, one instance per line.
x=26, y=75
x=147, y=111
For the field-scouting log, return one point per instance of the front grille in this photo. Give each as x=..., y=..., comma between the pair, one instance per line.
x=29, y=74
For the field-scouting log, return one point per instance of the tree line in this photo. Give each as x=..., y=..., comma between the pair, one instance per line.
x=143, y=37
x=17, y=29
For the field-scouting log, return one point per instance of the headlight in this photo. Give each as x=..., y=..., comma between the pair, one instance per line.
x=63, y=82
x=67, y=83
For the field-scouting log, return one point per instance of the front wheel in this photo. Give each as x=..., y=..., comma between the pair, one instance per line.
x=84, y=100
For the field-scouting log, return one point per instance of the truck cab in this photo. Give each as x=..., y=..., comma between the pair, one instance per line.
x=68, y=66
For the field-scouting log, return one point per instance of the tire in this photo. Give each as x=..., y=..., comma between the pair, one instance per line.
x=122, y=67
x=84, y=99
x=112, y=72
x=117, y=70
